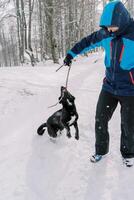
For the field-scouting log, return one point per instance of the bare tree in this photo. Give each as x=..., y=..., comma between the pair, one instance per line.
x=46, y=29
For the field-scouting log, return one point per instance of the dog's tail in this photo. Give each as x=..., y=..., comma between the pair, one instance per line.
x=41, y=129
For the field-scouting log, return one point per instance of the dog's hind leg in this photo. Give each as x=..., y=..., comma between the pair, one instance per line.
x=41, y=129
x=51, y=131
x=68, y=130
x=76, y=131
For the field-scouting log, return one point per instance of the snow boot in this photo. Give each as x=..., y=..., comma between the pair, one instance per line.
x=129, y=162
x=96, y=158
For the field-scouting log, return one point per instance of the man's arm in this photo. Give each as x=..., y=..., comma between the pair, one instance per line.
x=86, y=44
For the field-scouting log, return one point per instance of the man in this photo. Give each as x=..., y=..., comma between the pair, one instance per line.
x=116, y=36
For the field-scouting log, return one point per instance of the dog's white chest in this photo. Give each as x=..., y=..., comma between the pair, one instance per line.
x=73, y=118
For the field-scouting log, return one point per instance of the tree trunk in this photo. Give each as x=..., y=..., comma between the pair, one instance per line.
x=21, y=54
x=51, y=30
x=41, y=29
x=29, y=50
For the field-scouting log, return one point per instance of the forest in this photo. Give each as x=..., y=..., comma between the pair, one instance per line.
x=33, y=31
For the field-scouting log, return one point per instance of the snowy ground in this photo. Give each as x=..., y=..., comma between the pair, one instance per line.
x=35, y=168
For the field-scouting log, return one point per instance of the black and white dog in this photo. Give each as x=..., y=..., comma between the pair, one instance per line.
x=63, y=118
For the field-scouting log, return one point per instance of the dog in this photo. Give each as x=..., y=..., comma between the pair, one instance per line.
x=63, y=118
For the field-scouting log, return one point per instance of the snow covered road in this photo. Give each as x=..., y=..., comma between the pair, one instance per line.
x=35, y=168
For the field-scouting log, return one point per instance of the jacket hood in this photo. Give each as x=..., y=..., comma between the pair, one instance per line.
x=115, y=14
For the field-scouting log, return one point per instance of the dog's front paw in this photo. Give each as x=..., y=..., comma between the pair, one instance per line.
x=77, y=137
x=69, y=135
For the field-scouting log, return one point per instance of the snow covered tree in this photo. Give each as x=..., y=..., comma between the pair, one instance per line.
x=46, y=29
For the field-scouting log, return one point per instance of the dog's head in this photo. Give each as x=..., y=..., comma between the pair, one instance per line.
x=66, y=97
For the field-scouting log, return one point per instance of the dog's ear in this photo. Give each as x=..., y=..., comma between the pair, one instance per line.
x=72, y=98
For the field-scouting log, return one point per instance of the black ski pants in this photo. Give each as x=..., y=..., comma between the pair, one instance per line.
x=106, y=106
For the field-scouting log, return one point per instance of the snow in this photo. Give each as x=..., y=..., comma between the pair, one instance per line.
x=33, y=167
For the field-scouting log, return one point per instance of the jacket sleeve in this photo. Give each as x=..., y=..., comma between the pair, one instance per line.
x=88, y=43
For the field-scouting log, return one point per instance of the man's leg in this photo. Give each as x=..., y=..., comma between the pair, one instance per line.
x=106, y=105
x=127, y=127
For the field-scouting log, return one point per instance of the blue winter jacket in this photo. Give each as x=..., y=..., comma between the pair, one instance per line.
x=118, y=46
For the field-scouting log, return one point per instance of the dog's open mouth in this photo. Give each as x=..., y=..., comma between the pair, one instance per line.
x=66, y=96
x=63, y=89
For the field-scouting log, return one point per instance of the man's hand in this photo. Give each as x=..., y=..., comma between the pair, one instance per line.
x=68, y=60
